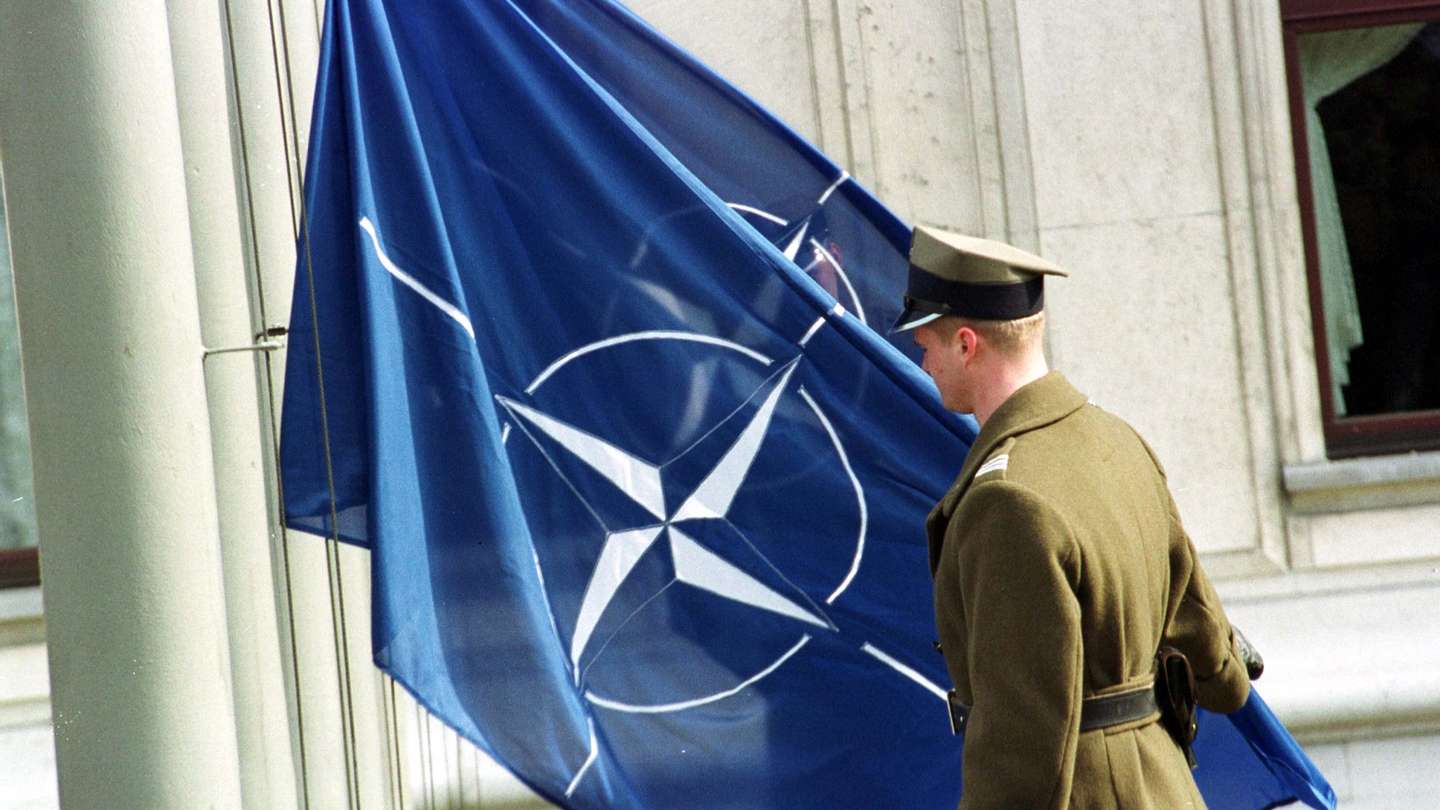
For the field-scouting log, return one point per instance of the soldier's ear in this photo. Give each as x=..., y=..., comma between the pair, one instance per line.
x=966, y=338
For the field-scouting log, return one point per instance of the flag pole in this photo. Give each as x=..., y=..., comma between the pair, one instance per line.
x=234, y=338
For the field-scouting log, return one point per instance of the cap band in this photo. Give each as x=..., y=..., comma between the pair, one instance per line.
x=990, y=302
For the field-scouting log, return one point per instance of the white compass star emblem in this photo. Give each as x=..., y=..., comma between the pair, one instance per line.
x=711, y=500
x=695, y=565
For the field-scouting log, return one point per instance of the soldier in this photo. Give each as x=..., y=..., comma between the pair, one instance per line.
x=1061, y=569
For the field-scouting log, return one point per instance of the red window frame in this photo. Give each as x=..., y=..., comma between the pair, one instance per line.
x=1345, y=436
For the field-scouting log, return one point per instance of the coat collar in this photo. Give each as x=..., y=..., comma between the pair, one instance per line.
x=1035, y=405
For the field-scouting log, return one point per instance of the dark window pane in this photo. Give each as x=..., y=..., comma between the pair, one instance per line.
x=1381, y=133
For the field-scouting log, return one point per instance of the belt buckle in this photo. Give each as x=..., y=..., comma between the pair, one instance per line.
x=958, y=712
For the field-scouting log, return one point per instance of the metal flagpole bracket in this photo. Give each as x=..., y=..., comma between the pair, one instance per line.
x=268, y=340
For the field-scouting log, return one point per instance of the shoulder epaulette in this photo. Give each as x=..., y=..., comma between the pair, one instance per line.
x=997, y=463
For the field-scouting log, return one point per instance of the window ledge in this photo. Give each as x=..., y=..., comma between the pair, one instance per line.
x=1374, y=482
x=22, y=616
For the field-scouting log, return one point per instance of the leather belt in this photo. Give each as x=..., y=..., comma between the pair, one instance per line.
x=1122, y=707
x=1095, y=712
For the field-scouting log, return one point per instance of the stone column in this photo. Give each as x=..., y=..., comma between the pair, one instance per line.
x=111, y=347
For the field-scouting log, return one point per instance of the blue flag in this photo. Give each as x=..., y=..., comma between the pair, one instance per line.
x=581, y=350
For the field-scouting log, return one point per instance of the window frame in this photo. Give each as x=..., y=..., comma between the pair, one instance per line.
x=19, y=568
x=1345, y=436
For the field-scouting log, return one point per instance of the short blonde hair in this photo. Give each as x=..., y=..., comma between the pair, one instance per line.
x=1008, y=337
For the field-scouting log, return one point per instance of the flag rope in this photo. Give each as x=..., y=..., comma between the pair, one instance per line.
x=460, y=780
x=339, y=624
x=280, y=53
x=257, y=277
x=427, y=752
x=392, y=741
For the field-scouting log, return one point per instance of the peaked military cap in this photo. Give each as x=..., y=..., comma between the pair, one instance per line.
x=951, y=274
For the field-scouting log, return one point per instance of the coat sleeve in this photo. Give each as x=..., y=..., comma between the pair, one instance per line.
x=1018, y=571
x=1200, y=629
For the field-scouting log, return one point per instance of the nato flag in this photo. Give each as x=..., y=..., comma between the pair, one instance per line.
x=582, y=351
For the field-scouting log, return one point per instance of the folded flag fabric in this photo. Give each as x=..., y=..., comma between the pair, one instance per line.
x=584, y=350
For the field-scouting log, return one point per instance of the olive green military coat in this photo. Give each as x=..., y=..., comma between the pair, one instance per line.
x=1060, y=568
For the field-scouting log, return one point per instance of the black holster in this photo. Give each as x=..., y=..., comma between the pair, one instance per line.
x=1175, y=692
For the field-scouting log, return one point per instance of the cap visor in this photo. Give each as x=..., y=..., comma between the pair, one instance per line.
x=909, y=319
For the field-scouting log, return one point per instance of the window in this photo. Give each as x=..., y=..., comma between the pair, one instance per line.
x=19, y=563
x=1364, y=81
